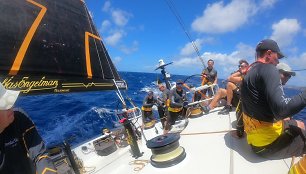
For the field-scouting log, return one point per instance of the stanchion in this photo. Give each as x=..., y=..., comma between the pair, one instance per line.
x=132, y=140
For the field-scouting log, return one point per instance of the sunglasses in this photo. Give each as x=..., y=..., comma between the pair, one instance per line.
x=287, y=75
x=242, y=66
x=179, y=84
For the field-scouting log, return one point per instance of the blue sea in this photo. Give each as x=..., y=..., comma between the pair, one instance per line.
x=80, y=116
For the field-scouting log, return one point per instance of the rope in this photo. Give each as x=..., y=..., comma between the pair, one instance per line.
x=292, y=161
x=299, y=70
x=91, y=22
x=203, y=133
x=170, y=3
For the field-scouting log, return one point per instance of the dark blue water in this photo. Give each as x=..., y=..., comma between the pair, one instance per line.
x=81, y=116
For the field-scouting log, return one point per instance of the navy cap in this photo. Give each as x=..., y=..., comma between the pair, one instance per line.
x=179, y=82
x=269, y=44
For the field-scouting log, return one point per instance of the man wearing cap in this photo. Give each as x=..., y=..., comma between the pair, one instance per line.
x=265, y=106
x=285, y=72
x=147, y=104
x=178, y=100
x=162, y=103
x=22, y=150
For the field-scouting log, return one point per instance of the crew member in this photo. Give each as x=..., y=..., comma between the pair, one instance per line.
x=265, y=106
x=178, y=102
x=22, y=150
x=147, y=104
x=162, y=103
x=209, y=77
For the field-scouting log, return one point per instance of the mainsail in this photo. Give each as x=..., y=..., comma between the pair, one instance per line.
x=52, y=46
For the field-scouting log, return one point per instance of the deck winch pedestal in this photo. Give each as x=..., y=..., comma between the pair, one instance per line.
x=132, y=140
x=166, y=150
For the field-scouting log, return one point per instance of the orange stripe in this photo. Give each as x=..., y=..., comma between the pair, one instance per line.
x=26, y=42
x=87, y=53
x=48, y=169
x=44, y=156
x=25, y=144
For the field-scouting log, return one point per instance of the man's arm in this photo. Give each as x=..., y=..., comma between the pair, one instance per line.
x=172, y=101
x=235, y=77
x=281, y=105
x=36, y=148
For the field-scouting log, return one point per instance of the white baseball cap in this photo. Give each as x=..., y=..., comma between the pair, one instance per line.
x=7, y=98
x=285, y=68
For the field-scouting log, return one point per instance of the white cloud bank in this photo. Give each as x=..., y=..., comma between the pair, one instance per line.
x=120, y=17
x=285, y=30
x=114, y=38
x=224, y=63
x=221, y=18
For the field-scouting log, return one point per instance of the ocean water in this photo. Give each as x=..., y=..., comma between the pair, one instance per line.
x=80, y=116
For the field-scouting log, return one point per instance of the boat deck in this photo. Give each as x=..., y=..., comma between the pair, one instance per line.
x=210, y=148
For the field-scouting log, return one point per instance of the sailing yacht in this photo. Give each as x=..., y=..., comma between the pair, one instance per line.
x=52, y=46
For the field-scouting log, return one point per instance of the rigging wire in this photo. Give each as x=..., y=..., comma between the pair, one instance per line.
x=170, y=4
x=299, y=70
x=91, y=23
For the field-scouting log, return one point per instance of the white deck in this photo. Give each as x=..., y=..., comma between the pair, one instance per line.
x=209, y=147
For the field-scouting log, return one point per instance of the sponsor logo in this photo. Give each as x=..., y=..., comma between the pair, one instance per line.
x=26, y=85
x=11, y=143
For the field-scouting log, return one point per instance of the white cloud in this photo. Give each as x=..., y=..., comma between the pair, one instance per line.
x=186, y=62
x=189, y=49
x=131, y=49
x=285, y=30
x=221, y=18
x=267, y=3
x=107, y=6
x=224, y=63
x=105, y=25
x=114, y=38
x=120, y=17
x=297, y=63
x=117, y=59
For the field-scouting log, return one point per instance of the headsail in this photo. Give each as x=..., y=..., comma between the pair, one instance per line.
x=52, y=46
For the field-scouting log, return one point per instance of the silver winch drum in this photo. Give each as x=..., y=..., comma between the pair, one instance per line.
x=166, y=150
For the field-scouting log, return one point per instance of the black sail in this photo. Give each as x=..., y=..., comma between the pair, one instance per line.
x=52, y=46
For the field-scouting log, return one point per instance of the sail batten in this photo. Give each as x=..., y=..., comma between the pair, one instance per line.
x=44, y=43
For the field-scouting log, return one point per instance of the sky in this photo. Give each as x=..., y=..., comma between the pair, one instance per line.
x=138, y=33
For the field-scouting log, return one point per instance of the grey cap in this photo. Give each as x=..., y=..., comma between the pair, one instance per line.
x=285, y=68
x=269, y=44
x=179, y=81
